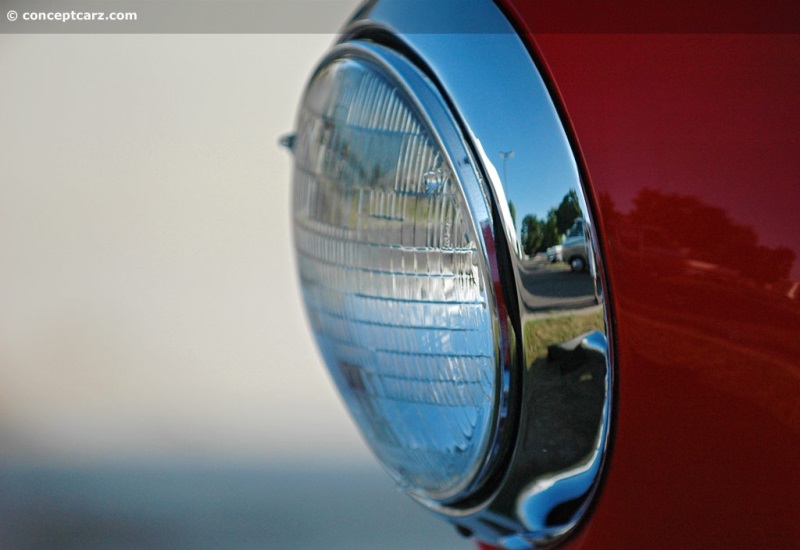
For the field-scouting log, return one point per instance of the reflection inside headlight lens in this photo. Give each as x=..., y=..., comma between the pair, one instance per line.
x=394, y=278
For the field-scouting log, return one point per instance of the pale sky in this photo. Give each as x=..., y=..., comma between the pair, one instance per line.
x=149, y=307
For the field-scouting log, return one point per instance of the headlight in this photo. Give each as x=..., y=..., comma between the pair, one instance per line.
x=476, y=368
x=394, y=270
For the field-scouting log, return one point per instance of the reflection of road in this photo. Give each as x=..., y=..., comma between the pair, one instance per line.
x=548, y=287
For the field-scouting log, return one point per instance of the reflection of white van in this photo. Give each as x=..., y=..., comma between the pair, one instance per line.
x=574, y=249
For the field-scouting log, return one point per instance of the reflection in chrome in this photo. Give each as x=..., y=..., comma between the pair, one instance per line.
x=553, y=375
x=538, y=501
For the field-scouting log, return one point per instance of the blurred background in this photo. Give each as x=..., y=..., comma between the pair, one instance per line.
x=159, y=387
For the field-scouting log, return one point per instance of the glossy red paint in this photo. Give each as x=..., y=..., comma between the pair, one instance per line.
x=691, y=150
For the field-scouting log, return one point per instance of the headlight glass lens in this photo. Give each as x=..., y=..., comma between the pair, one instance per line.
x=394, y=277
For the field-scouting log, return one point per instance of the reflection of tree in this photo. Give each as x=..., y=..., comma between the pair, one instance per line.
x=567, y=211
x=609, y=209
x=700, y=232
x=537, y=235
x=532, y=234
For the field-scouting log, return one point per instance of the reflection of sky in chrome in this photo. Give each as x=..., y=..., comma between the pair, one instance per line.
x=537, y=177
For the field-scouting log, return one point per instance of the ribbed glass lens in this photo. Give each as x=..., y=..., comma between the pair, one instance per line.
x=394, y=278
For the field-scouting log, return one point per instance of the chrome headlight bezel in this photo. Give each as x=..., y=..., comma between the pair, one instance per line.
x=531, y=486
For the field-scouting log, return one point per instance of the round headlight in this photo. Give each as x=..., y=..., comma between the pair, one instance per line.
x=390, y=225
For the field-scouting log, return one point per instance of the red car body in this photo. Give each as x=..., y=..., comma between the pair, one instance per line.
x=686, y=124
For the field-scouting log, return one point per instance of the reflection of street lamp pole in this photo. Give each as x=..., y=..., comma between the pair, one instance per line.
x=506, y=155
x=510, y=155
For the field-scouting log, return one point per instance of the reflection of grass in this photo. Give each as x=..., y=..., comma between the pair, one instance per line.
x=541, y=333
